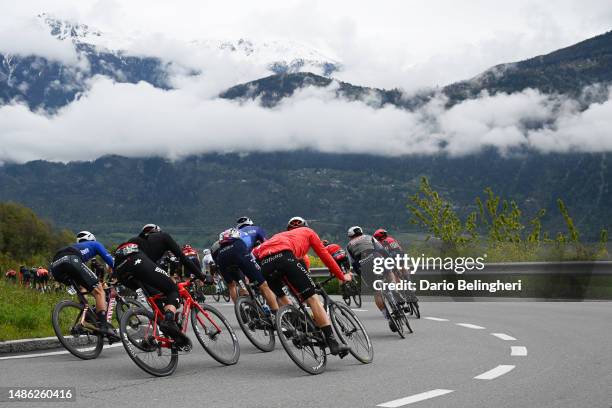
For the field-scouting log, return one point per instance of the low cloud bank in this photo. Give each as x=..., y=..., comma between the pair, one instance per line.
x=138, y=120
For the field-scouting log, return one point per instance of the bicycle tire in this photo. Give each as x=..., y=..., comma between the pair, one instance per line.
x=245, y=307
x=347, y=300
x=393, y=311
x=134, y=349
x=287, y=318
x=357, y=295
x=121, y=308
x=207, y=338
x=70, y=343
x=414, y=306
x=226, y=295
x=341, y=330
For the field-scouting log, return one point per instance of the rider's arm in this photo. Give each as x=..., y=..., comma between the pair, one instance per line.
x=176, y=250
x=100, y=250
x=328, y=260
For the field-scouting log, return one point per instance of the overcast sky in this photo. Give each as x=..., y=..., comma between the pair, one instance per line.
x=408, y=44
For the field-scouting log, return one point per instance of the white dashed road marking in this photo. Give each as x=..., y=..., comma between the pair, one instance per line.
x=503, y=336
x=496, y=372
x=360, y=310
x=52, y=353
x=518, y=351
x=436, y=319
x=414, y=398
x=470, y=326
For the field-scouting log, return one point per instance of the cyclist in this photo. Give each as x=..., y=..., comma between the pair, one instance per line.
x=136, y=259
x=191, y=254
x=11, y=275
x=69, y=263
x=362, y=250
x=388, y=242
x=280, y=261
x=234, y=259
x=252, y=235
x=341, y=259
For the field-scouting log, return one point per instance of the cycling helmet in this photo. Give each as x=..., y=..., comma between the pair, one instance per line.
x=296, y=222
x=380, y=234
x=325, y=242
x=243, y=222
x=150, y=228
x=85, y=236
x=229, y=234
x=354, y=232
x=206, y=252
x=187, y=247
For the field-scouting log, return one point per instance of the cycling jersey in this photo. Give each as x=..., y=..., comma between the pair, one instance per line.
x=89, y=249
x=41, y=272
x=363, y=246
x=392, y=246
x=252, y=236
x=298, y=241
x=336, y=252
x=208, y=260
x=154, y=246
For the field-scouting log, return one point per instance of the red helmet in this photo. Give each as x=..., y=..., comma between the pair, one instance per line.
x=380, y=234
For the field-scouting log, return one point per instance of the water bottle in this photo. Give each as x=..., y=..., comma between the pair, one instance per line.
x=141, y=297
x=267, y=310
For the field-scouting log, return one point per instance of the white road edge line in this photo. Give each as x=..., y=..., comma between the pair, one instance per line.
x=503, y=336
x=496, y=372
x=470, y=326
x=52, y=353
x=436, y=319
x=518, y=351
x=414, y=398
x=360, y=310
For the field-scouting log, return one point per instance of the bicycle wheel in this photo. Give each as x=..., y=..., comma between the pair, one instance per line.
x=347, y=291
x=217, y=295
x=357, y=293
x=349, y=329
x=301, y=340
x=255, y=325
x=226, y=295
x=394, y=313
x=414, y=306
x=215, y=334
x=137, y=335
x=124, y=306
x=80, y=340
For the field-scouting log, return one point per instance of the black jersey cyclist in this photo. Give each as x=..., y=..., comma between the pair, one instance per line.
x=136, y=260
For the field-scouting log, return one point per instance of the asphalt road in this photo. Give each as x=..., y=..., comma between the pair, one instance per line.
x=568, y=363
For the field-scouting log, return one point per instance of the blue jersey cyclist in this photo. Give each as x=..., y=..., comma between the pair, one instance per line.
x=250, y=234
x=69, y=265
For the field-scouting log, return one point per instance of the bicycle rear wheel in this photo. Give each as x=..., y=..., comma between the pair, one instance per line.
x=215, y=334
x=217, y=295
x=394, y=313
x=357, y=293
x=414, y=306
x=349, y=329
x=79, y=340
x=256, y=326
x=301, y=340
x=137, y=334
x=124, y=306
x=226, y=295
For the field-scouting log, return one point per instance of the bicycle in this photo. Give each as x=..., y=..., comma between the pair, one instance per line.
x=409, y=295
x=254, y=320
x=297, y=330
x=74, y=323
x=146, y=345
x=221, y=289
x=352, y=290
x=397, y=313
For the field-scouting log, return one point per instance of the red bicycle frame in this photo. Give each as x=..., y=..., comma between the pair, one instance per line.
x=188, y=304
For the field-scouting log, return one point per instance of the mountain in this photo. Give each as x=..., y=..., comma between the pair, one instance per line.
x=198, y=197
x=567, y=71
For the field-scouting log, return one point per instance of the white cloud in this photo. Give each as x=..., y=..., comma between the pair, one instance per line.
x=140, y=120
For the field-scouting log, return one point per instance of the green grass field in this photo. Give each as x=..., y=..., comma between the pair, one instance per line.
x=26, y=313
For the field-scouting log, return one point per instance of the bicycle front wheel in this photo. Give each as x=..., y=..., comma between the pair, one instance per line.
x=394, y=313
x=301, y=340
x=351, y=332
x=137, y=330
x=255, y=325
x=215, y=334
x=78, y=338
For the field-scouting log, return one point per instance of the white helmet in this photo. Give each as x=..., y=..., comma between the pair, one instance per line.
x=243, y=221
x=206, y=252
x=149, y=228
x=296, y=222
x=85, y=236
x=354, y=231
